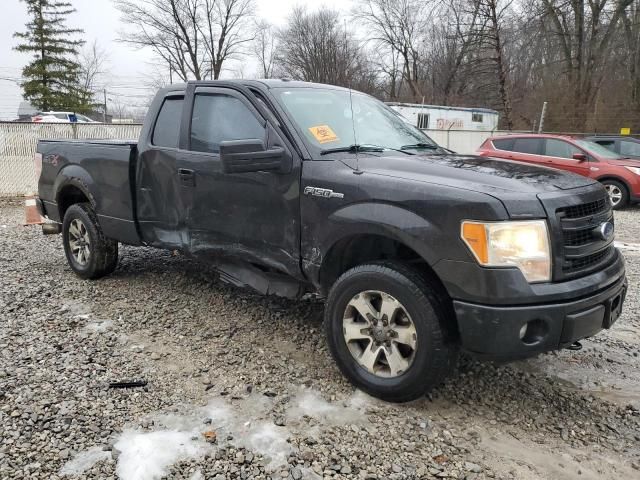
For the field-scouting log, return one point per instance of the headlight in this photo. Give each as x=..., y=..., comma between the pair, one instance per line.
x=522, y=244
x=635, y=170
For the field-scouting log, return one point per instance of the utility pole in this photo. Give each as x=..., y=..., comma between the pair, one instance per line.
x=104, y=113
x=542, y=114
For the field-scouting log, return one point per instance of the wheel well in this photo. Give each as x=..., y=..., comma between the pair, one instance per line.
x=360, y=249
x=69, y=195
x=616, y=179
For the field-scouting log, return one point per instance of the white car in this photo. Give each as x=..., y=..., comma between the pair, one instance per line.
x=61, y=117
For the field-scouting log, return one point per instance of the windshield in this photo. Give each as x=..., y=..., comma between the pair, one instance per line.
x=324, y=116
x=598, y=149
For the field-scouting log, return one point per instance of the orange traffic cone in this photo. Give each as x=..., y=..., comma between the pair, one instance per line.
x=31, y=214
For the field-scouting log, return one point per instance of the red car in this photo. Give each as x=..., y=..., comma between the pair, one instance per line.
x=620, y=175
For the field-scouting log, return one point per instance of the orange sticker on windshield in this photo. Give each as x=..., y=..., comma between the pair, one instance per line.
x=323, y=134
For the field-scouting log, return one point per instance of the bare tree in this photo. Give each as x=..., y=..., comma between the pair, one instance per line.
x=401, y=26
x=264, y=48
x=226, y=30
x=317, y=47
x=193, y=37
x=93, y=64
x=583, y=34
x=631, y=23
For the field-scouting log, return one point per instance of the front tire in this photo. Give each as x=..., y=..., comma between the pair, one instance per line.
x=89, y=253
x=384, y=326
x=618, y=193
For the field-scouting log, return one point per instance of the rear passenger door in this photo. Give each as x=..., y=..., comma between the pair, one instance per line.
x=528, y=150
x=160, y=210
x=560, y=153
x=254, y=216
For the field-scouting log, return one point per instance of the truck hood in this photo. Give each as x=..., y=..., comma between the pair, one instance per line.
x=480, y=174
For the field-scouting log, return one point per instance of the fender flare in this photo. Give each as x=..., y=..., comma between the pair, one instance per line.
x=372, y=218
x=78, y=177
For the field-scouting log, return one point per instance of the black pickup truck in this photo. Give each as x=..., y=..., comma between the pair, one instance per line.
x=293, y=188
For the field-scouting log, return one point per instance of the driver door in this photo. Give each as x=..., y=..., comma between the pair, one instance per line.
x=254, y=216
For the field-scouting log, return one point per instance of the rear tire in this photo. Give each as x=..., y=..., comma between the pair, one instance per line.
x=618, y=193
x=89, y=253
x=397, y=359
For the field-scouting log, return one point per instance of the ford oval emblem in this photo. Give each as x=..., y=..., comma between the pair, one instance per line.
x=605, y=231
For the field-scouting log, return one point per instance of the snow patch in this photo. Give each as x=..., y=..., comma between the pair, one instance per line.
x=83, y=461
x=147, y=456
x=99, y=326
x=270, y=441
x=197, y=475
x=241, y=421
x=309, y=403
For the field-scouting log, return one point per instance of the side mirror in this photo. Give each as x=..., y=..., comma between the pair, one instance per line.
x=581, y=157
x=243, y=156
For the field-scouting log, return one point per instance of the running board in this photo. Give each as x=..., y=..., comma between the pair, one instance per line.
x=245, y=275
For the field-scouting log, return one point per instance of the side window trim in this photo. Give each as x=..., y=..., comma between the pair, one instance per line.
x=168, y=96
x=219, y=91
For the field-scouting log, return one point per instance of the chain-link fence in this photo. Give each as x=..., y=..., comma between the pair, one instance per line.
x=18, y=145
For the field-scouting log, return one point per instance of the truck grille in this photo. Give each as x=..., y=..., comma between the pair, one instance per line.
x=582, y=251
x=584, y=210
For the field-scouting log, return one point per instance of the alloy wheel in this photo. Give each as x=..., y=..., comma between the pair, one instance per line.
x=379, y=333
x=615, y=194
x=79, y=242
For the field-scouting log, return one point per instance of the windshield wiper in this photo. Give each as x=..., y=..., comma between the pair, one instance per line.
x=429, y=146
x=362, y=148
x=353, y=149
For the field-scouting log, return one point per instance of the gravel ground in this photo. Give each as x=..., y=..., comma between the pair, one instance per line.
x=242, y=386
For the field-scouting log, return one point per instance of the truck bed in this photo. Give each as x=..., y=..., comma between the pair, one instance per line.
x=102, y=170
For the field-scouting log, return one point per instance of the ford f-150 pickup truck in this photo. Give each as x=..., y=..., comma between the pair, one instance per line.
x=293, y=188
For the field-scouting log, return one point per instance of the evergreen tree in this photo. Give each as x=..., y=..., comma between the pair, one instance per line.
x=52, y=77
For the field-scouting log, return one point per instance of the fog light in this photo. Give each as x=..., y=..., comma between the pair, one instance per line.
x=533, y=331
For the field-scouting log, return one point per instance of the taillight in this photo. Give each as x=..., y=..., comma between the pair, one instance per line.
x=37, y=118
x=37, y=162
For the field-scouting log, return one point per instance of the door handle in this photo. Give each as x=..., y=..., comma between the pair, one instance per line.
x=187, y=177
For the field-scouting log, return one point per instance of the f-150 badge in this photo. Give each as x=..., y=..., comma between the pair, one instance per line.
x=322, y=192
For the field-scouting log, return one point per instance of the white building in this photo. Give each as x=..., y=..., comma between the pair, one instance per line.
x=436, y=117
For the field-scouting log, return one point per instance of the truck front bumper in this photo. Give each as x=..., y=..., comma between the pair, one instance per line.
x=512, y=332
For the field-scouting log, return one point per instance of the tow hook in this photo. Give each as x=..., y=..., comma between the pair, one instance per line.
x=51, y=228
x=575, y=346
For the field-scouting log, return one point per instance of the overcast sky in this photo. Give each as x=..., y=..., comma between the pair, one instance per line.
x=102, y=22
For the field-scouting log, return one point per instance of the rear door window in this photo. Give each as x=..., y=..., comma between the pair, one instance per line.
x=217, y=118
x=504, y=144
x=559, y=148
x=532, y=146
x=167, y=129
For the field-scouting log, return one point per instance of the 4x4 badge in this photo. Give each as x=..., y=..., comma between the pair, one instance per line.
x=322, y=192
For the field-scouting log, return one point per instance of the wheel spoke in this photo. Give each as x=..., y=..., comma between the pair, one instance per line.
x=86, y=253
x=353, y=331
x=369, y=357
x=405, y=335
x=397, y=363
x=73, y=230
x=363, y=305
x=386, y=341
x=389, y=307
